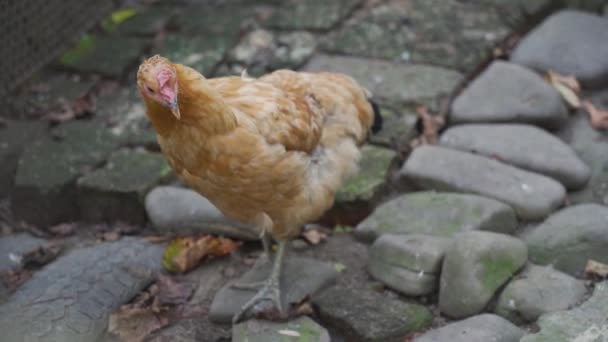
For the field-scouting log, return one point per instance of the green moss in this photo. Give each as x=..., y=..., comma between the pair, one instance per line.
x=419, y=317
x=496, y=270
x=84, y=47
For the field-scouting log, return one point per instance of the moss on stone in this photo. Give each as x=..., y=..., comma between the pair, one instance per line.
x=497, y=269
x=372, y=173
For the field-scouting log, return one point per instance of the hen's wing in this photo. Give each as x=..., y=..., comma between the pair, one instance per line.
x=283, y=116
x=299, y=110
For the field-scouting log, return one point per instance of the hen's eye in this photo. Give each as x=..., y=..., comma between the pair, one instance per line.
x=150, y=89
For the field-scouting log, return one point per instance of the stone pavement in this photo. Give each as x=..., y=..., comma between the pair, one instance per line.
x=513, y=156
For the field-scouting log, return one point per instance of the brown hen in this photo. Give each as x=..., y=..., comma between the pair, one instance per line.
x=270, y=152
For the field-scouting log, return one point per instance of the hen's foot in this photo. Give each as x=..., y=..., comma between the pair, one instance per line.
x=269, y=291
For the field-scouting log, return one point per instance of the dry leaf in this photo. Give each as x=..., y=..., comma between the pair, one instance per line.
x=287, y=332
x=133, y=324
x=314, y=236
x=183, y=254
x=156, y=238
x=40, y=256
x=567, y=86
x=15, y=278
x=596, y=268
x=599, y=117
x=63, y=229
x=431, y=124
x=172, y=292
x=83, y=105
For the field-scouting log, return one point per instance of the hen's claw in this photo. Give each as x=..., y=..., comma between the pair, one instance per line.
x=269, y=291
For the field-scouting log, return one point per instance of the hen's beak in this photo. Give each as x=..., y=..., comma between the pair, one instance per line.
x=175, y=109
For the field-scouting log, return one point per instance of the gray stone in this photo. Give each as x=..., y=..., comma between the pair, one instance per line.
x=263, y=51
x=300, y=278
x=149, y=21
x=531, y=195
x=44, y=191
x=437, y=213
x=482, y=328
x=226, y=21
x=524, y=146
x=107, y=55
x=364, y=315
x=185, y=212
x=592, y=146
x=185, y=330
x=311, y=14
x=571, y=43
x=301, y=329
x=409, y=264
x=570, y=237
x=536, y=291
x=391, y=83
x=202, y=53
x=12, y=247
x=398, y=128
x=582, y=324
x=507, y=92
x=116, y=191
x=476, y=264
x=372, y=172
x=72, y=298
x=14, y=137
x=408, y=31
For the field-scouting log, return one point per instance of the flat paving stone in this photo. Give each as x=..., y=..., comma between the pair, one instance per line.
x=108, y=55
x=149, y=21
x=437, y=213
x=72, y=298
x=569, y=42
x=482, y=328
x=14, y=138
x=262, y=51
x=44, y=191
x=301, y=329
x=538, y=290
x=373, y=167
x=185, y=212
x=202, y=53
x=409, y=264
x=584, y=323
x=13, y=246
x=509, y=93
x=398, y=128
x=476, y=264
x=116, y=191
x=531, y=195
x=524, y=146
x=311, y=14
x=570, y=237
x=300, y=278
x=591, y=145
x=364, y=315
x=391, y=83
x=408, y=31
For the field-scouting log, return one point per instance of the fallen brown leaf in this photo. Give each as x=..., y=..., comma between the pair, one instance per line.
x=133, y=324
x=596, y=268
x=63, y=229
x=567, y=86
x=599, y=117
x=40, y=256
x=14, y=278
x=156, y=238
x=111, y=236
x=172, y=292
x=183, y=254
x=81, y=106
x=314, y=236
x=431, y=124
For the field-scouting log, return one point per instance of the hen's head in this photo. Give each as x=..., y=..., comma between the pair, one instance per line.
x=157, y=81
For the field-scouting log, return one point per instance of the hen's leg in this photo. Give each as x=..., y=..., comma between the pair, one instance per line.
x=270, y=290
x=266, y=243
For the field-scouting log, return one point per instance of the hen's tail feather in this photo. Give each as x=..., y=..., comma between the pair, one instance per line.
x=377, y=125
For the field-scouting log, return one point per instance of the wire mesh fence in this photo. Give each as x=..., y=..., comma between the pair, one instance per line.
x=33, y=32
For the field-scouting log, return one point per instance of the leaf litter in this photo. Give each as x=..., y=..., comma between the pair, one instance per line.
x=568, y=87
x=184, y=254
x=153, y=309
x=598, y=117
x=431, y=124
